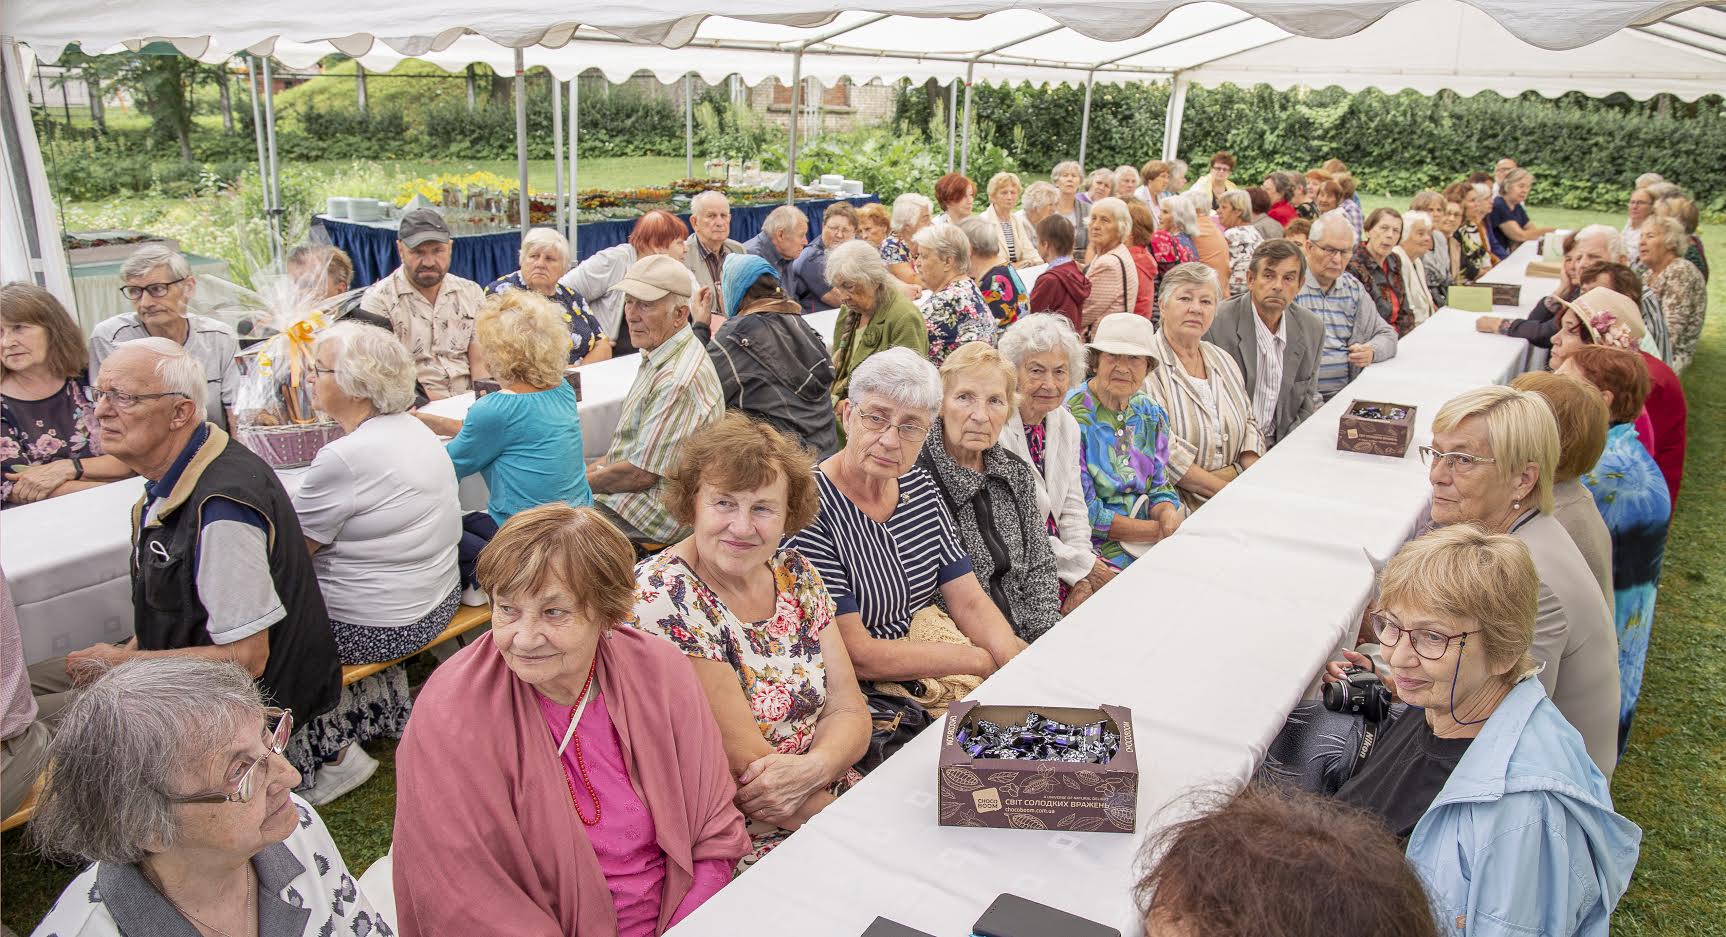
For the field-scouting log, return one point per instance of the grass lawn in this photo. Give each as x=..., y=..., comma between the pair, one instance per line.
x=1671, y=781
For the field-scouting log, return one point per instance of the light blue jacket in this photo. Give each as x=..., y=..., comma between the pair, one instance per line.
x=1522, y=841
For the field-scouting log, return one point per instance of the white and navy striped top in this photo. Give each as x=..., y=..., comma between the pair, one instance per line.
x=886, y=572
x=1337, y=308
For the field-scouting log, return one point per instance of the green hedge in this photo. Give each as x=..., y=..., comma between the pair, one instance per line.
x=1584, y=154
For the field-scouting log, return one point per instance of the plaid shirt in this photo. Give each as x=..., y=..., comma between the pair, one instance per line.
x=676, y=392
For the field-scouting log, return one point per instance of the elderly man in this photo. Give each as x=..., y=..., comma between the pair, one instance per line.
x=159, y=283
x=783, y=236
x=809, y=284
x=1355, y=335
x=1594, y=245
x=710, y=216
x=430, y=309
x=1274, y=340
x=219, y=567
x=676, y=393
x=1501, y=169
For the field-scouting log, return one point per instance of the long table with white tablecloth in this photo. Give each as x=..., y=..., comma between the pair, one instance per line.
x=1209, y=639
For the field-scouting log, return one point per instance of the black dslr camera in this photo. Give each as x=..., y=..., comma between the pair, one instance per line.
x=1359, y=692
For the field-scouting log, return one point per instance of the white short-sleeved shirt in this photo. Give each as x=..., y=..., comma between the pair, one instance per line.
x=383, y=499
x=211, y=341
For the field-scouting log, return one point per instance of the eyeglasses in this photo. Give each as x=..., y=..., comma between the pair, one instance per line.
x=1337, y=252
x=275, y=740
x=1459, y=462
x=1428, y=644
x=156, y=290
x=124, y=401
x=908, y=432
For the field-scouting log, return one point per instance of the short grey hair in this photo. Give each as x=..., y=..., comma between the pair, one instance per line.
x=1043, y=332
x=907, y=208
x=1614, y=243
x=784, y=219
x=984, y=235
x=1187, y=274
x=1178, y=168
x=155, y=254
x=1068, y=165
x=371, y=364
x=1240, y=201
x=703, y=197
x=1648, y=178
x=1180, y=211
x=177, y=372
x=123, y=748
x=1672, y=232
x=858, y=263
x=1331, y=220
x=901, y=376
x=1114, y=209
x=545, y=237
x=1101, y=175
x=1040, y=196
x=946, y=241
x=1412, y=219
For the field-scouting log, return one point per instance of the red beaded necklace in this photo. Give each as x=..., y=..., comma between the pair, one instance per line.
x=581, y=762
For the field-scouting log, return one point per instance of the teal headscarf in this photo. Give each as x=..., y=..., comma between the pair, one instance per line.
x=740, y=273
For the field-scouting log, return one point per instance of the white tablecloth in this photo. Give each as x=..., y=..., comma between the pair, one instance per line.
x=1210, y=639
x=66, y=560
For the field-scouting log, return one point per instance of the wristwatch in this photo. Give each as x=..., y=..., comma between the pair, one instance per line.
x=77, y=469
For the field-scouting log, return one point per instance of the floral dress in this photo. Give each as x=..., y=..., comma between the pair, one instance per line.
x=894, y=250
x=1123, y=456
x=777, y=661
x=1684, y=302
x=584, y=327
x=1005, y=295
x=1476, y=252
x=1631, y=494
x=956, y=315
x=1243, y=240
x=59, y=426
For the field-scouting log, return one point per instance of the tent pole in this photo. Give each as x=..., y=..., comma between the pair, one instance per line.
x=952, y=122
x=360, y=85
x=557, y=149
x=796, y=103
x=258, y=131
x=965, y=146
x=1085, y=120
x=688, y=127
x=275, y=165
x=574, y=164
x=521, y=138
x=1172, y=121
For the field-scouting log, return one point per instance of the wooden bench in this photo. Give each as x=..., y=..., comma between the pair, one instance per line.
x=26, y=811
x=467, y=618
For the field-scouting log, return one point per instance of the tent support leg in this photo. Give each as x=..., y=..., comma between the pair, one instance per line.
x=574, y=165
x=965, y=146
x=258, y=131
x=952, y=123
x=688, y=127
x=557, y=149
x=1085, y=119
x=521, y=138
x=796, y=108
x=1172, y=121
x=275, y=165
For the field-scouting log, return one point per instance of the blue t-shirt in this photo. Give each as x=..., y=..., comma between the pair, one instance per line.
x=1501, y=213
x=527, y=447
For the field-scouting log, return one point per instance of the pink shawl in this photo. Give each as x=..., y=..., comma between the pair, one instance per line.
x=486, y=839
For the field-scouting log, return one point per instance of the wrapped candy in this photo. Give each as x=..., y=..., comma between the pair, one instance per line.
x=1039, y=738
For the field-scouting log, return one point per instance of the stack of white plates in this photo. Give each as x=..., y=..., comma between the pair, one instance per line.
x=832, y=180
x=337, y=207
x=366, y=209
x=851, y=187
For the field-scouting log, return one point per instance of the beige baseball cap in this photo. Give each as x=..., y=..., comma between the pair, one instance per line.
x=652, y=278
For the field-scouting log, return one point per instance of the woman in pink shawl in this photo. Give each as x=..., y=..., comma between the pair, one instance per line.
x=561, y=776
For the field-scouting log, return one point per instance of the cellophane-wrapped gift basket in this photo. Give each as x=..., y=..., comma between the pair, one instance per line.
x=274, y=414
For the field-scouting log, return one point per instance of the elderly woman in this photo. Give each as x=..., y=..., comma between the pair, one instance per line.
x=1038, y=203
x=1509, y=218
x=544, y=258
x=874, y=225
x=1285, y=190
x=1491, y=462
x=1126, y=181
x=381, y=517
x=1018, y=236
x=1154, y=186
x=563, y=775
x=1235, y=211
x=1631, y=494
x=874, y=314
x=772, y=364
x=524, y=438
x=1171, y=244
x=1377, y=267
x=1124, y=443
x=1213, y=435
x=1679, y=285
x=1045, y=351
x=1481, y=771
x=1113, y=274
x=1675, y=205
x=909, y=606
x=1099, y=185
x=1327, y=195
x=1139, y=245
x=166, y=776
x=1581, y=414
x=1067, y=177
x=49, y=443
x=1604, y=316
x=1209, y=244
x=1640, y=208
x=657, y=232
x=954, y=312
x=1475, y=254
x=756, y=622
x=956, y=195
x=1417, y=240
x=1003, y=292
x=992, y=493
x=910, y=215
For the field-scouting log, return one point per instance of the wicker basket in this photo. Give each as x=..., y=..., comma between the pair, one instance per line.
x=288, y=446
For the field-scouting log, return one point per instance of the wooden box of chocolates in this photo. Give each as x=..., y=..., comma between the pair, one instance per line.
x=1376, y=428
x=1039, y=768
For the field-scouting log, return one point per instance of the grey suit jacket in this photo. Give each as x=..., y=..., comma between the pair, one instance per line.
x=693, y=260
x=1233, y=331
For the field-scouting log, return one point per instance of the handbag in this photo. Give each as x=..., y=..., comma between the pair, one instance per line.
x=1319, y=749
x=894, y=720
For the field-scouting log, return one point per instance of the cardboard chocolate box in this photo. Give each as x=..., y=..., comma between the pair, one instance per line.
x=1038, y=795
x=1376, y=428
x=1506, y=294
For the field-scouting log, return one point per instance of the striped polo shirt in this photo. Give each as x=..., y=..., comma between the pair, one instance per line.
x=885, y=572
x=1337, y=309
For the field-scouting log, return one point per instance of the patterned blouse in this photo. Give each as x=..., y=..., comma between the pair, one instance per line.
x=1005, y=295
x=895, y=251
x=956, y=315
x=1383, y=282
x=1169, y=251
x=1476, y=252
x=1684, y=301
x=1122, y=455
x=778, y=661
x=1243, y=240
x=584, y=327
x=59, y=426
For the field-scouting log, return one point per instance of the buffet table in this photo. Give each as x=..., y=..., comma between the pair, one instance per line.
x=483, y=258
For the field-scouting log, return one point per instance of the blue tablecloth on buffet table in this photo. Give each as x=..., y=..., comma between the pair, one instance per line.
x=483, y=258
